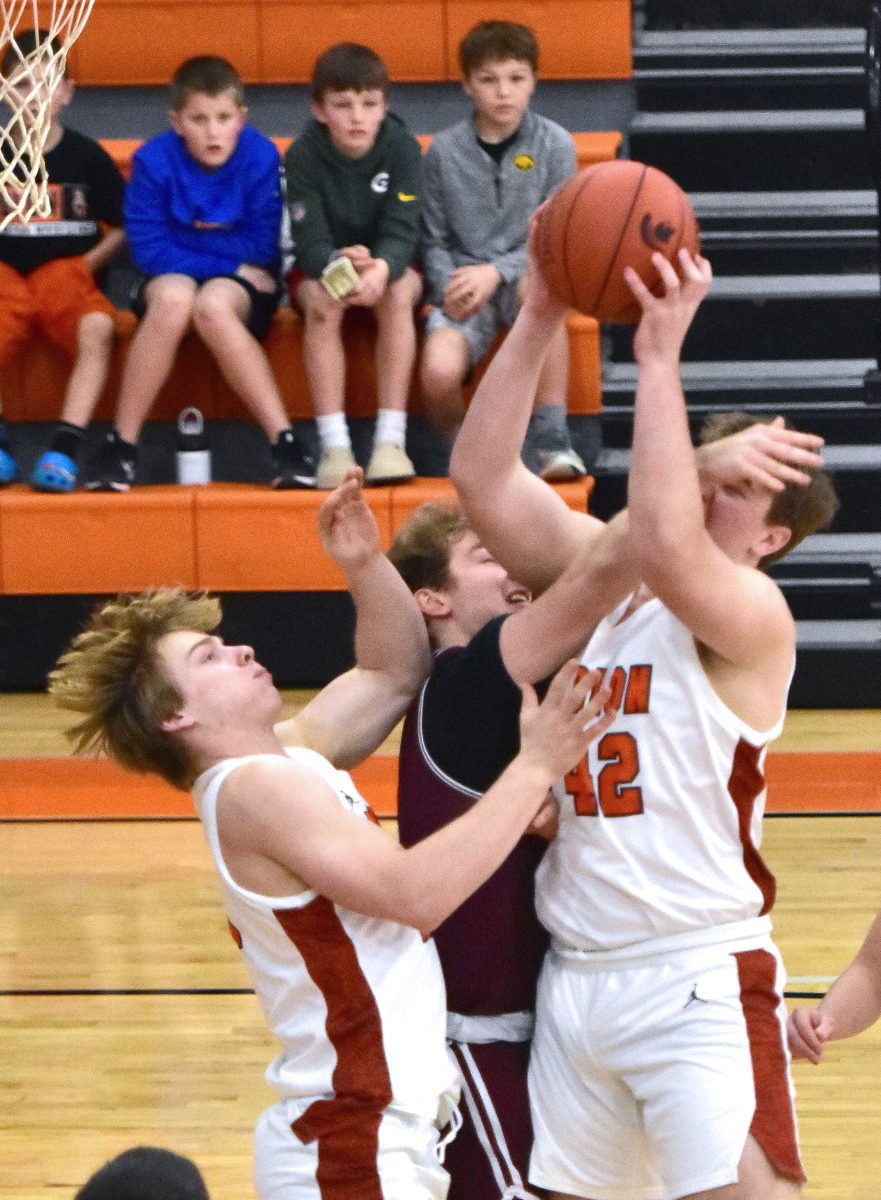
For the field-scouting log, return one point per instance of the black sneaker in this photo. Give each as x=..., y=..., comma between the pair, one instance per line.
x=113, y=467
x=292, y=464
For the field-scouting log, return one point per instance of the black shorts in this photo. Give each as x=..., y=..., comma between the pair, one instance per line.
x=262, y=310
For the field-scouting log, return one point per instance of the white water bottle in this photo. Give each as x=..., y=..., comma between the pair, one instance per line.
x=193, y=454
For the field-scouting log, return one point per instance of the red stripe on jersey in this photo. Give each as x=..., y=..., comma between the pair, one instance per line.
x=773, y=1124
x=745, y=785
x=347, y=1125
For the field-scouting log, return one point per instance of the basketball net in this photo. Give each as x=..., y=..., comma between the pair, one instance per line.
x=26, y=90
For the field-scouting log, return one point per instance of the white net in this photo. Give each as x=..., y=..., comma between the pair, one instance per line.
x=33, y=71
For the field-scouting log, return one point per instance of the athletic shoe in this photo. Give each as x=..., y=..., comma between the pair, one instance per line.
x=389, y=464
x=113, y=467
x=335, y=461
x=54, y=472
x=292, y=464
x=556, y=466
x=8, y=468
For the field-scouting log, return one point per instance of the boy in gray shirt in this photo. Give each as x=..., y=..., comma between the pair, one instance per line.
x=483, y=179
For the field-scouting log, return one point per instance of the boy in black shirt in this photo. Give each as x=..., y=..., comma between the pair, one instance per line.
x=47, y=278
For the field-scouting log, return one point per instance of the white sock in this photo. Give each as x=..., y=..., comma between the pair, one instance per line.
x=391, y=426
x=333, y=431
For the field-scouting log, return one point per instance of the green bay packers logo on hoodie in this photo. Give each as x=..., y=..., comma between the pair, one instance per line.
x=524, y=162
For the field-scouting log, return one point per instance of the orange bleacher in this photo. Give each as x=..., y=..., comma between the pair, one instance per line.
x=31, y=386
x=141, y=42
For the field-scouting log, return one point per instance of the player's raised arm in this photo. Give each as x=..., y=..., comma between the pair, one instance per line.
x=697, y=552
x=519, y=517
x=354, y=713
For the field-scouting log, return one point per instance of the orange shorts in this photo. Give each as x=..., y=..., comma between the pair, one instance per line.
x=54, y=298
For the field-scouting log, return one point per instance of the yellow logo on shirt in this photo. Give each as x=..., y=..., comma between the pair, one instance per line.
x=405, y=197
x=524, y=162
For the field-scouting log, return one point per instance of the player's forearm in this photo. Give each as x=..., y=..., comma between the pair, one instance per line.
x=664, y=496
x=390, y=634
x=853, y=1002
x=438, y=874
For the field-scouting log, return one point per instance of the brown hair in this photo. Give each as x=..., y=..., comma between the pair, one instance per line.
x=493, y=41
x=27, y=42
x=112, y=674
x=802, y=508
x=348, y=66
x=421, y=551
x=206, y=75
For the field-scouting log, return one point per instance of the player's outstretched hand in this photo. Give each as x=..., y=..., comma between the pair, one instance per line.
x=555, y=734
x=766, y=454
x=806, y=1031
x=666, y=318
x=347, y=526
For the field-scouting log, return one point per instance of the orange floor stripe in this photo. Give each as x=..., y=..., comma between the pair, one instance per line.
x=93, y=788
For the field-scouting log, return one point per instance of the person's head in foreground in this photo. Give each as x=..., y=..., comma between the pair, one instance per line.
x=146, y=1173
x=156, y=688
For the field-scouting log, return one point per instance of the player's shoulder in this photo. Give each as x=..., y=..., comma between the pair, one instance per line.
x=551, y=132
x=445, y=140
x=257, y=144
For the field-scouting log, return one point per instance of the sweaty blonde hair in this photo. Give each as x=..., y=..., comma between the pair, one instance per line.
x=113, y=675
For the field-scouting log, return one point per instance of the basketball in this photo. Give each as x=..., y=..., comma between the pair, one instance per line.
x=610, y=216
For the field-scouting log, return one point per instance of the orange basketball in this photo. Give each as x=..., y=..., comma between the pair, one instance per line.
x=607, y=217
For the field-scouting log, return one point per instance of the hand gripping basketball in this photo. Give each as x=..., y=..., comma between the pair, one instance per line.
x=607, y=217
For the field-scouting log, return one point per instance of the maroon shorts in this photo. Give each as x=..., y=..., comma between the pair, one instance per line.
x=490, y=1153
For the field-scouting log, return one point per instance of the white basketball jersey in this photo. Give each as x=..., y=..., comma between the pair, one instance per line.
x=357, y=1002
x=660, y=826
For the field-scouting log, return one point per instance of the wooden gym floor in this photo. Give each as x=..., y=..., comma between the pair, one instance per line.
x=125, y=1014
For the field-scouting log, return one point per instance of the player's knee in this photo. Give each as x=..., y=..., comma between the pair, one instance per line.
x=171, y=308
x=214, y=312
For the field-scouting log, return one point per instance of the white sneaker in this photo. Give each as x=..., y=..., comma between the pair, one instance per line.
x=333, y=465
x=389, y=464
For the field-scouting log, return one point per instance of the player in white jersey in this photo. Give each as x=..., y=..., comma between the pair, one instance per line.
x=328, y=910
x=659, y=1066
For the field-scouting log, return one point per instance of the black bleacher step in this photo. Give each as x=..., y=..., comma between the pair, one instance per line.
x=833, y=575
x=838, y=664
x=789, y=232
x=764, y=325
x=826, y=396
x=753, y=14
x=749, y=69
x=769, y=150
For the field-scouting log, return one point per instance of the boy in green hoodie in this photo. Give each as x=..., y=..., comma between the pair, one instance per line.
x=354, y=192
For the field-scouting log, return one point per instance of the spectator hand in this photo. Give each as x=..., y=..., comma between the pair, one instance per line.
x=348, y=528
x=372, y=282
x=358, y=256
x=469, y=288
x=765, y=455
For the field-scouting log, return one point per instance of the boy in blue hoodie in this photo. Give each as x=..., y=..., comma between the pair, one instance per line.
x=202, y=215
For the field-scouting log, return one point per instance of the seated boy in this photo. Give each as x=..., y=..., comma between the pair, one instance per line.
x=484, y=178
x=354, y=190
x=48, y=268
x=203, y=215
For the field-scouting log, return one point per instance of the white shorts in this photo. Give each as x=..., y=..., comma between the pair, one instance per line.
x=351, y=1161
x=645, y=1074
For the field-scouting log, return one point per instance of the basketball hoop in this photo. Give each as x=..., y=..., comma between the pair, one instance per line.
x=26, y=90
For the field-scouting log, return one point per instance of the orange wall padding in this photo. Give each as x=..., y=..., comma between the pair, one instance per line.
x=223, y=537
x=142, y=42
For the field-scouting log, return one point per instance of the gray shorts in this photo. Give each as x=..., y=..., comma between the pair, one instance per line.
x=480, y=330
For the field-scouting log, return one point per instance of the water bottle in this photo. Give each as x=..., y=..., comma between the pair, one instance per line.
x=193, y=455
